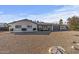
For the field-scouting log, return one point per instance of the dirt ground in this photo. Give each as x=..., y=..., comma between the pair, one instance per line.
x=11, y=43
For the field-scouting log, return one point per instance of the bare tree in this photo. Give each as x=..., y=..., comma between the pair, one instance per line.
x=73, y=23
x=61, y=22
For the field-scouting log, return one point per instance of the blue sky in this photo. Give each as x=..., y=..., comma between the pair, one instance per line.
x=46, y=13
x=28, y=9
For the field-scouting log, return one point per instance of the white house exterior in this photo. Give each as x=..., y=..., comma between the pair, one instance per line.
x=26, y=25
x=23, y=26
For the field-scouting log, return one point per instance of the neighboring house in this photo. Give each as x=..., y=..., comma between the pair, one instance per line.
x=26, y=25
x=44, y=26
x=63, y=27
x=4, y=27
x=58, y=27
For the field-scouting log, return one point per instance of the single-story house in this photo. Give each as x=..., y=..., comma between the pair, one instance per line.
x=58, y=27
x=63, y=27
x=26, y=25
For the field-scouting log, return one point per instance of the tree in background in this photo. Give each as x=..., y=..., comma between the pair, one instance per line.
x=73, y=23
x=61, y=22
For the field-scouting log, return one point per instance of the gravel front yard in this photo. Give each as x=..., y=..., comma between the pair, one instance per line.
x=37, y=44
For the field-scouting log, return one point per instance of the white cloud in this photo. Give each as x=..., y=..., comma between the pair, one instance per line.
x=9, y=18
x=64, y=13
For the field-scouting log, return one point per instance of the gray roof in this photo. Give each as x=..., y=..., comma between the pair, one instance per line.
x=38, y=23
x=23, y=20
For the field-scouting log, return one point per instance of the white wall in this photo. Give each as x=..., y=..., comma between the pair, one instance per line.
x=52, y=27
x=24, y=24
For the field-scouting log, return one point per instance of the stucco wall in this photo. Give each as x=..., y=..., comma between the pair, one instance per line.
x=24, y=24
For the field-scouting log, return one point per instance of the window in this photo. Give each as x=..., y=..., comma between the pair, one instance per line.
x=24, y=29
x=11, y=29
x=18, y=26
x=34, y=29
x=29, y=26
x=62, y=27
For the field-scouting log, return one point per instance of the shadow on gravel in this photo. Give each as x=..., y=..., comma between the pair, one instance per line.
x=76, y=35
x=33, y=33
